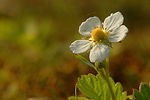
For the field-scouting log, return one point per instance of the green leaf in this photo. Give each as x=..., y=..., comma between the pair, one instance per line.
x=96, y=88
x=143, y=93
x=74, y=98
x=138, y=95
x=118, y=91
x=124, y=96
x=145, y=90
x=130, y=97
x=84, y=60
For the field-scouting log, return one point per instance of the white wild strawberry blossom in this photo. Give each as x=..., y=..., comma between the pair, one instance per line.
x=99, y=36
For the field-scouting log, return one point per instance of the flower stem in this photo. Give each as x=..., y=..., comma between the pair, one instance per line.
x=107, y=79
x=76, y=91
x=105, y=75
x=107, y=67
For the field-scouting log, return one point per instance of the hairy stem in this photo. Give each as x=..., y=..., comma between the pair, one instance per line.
x=105, y=75
x=107, y=67
x=76, y=91
x=107, y=79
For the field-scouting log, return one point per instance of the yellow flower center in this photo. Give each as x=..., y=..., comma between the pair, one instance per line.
x=98, y=34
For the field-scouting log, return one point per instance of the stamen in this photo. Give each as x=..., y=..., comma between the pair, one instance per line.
x=107, y=32
x=120, y=41
x=96, y=27
x=88, y=36
x=97, y=34
x=105, y=28
x=90, y=39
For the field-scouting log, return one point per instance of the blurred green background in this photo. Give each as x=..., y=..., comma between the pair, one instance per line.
x=35, y=59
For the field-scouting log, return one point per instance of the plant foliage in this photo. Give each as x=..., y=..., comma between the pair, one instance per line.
x=96, y=88
x=143, y=93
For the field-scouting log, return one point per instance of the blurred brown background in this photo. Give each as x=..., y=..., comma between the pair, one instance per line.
x=35, y=59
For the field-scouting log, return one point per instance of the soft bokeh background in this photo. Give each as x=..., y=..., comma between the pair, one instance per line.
x=35, y=59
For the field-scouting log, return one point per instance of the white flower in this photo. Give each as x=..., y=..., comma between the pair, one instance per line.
x=99, y=36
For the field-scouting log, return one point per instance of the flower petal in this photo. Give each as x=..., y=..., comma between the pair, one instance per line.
x=99, y=53
x=80, y=46
x=113, y=21
x=88, y=26
x=118, y=34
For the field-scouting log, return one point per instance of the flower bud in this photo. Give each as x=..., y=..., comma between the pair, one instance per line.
x=100, y=65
